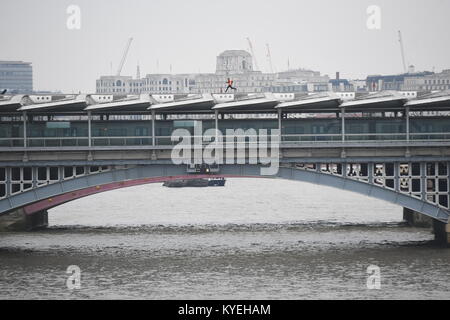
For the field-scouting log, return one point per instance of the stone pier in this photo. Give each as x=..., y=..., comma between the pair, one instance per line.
x=19, y=221
x=441, y=232
x=416, y=219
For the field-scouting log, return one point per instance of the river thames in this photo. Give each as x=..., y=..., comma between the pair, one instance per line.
x=252, y=239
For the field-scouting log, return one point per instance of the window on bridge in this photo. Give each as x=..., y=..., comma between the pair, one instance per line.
x=47, y=175
x=442, y=168
x=15, y=174
x=54, y=173
x=415, y=187
x=79, y=171
x=98, y=169
x=384, y=175
x=409, y=179
x=306, y=166
x=431, y=169
x=27, y=174
x=437, y=183
x=42, y=173
x=68, y=172
x=21, y=179
x=73, y=172
x=415, y=169
x=331, y=168
x=358, y=171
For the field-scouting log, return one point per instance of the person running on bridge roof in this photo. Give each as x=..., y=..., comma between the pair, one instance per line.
x=230, y=85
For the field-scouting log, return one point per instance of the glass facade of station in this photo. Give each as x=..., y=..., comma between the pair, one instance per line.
x=69, y=132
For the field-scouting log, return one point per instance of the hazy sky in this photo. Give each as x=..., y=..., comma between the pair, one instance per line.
x=326, y=35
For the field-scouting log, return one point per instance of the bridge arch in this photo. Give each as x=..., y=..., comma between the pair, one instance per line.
x=47, y=197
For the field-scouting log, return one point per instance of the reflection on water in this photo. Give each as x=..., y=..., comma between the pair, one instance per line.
x=253, y=239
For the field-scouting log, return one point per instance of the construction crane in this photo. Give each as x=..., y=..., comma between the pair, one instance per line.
x=402, y=50
x=269, y=58
x=253, y=54
x=124, y=56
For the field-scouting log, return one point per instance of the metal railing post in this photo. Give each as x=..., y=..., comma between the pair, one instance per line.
x=407, y=124
x=153, y=128
x=24, y=129
x=279, y=123
x=216, y=121
x=89, y=130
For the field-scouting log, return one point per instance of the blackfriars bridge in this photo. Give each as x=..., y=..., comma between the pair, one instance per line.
x=394, y=146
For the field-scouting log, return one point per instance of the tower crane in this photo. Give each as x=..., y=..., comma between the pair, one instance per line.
x=402, y=50
x=253, y=54
x=269, y=58
x=124, y=56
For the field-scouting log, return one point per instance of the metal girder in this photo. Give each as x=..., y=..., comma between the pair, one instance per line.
x=170, y=171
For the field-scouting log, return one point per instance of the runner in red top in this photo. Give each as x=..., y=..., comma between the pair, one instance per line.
x=230, y=85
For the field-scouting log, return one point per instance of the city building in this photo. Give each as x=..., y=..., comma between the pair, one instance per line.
x=114, y=84
x=238, y=66
x=252, y=81
x=168, y=83
x=234, y=64
x=299, y=80
x=280, y=87
x=302, y=76
x=397, y=82
x=340, y=85
x=16, y=77
x=431, y=82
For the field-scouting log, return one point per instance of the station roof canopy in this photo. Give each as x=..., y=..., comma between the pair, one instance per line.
x=73, y=103
x=323, y=102
x=379, y=101
x=10, y=104
x=193, y=103
x=318, y=102
x=253, y=103
x=433, y=101
x=127, y=104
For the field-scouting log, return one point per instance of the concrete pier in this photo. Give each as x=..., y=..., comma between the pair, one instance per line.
x=441, y=232
x=19, y=221
x=416, y=219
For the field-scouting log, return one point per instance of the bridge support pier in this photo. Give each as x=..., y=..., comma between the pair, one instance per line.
x=441, y=232
x=416, y=219
x=19, y=221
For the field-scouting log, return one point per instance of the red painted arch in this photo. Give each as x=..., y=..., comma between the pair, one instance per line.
x=57, y=200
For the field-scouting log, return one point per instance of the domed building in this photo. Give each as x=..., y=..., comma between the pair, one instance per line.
x=234, y=62
x=236, y=65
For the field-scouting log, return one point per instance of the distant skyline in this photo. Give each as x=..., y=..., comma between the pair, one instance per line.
x=186, y=36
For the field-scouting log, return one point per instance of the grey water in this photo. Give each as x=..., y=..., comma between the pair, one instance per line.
x=252, y=239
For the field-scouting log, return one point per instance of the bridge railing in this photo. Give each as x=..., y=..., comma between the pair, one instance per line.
x=122, y=141
x=44, y=142
x=430, y=136
x=11, y=142
x=351, y=137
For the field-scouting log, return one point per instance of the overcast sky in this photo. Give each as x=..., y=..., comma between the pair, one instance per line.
x=326, y=36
